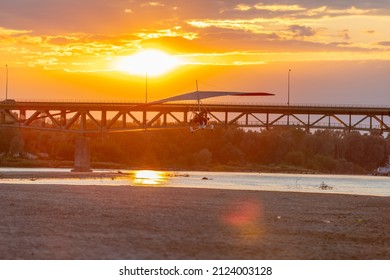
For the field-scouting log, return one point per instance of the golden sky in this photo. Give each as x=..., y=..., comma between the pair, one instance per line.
x=70, y=49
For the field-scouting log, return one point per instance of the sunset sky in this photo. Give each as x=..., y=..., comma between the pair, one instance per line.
x=338, y=51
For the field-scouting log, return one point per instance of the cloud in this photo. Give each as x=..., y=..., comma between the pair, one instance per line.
x=47, y=16
x=345, y=34
x=174, y=32
x=301, y=31
x=154, y=4
x=42, y=33
x=243, y=7
x=12, y=32
x=270, y=8
x=300, y=10
x=326, y=11
x=63, y=51
x=384, y=43
x=279, y=8
x=61, y=40
x=252, y=25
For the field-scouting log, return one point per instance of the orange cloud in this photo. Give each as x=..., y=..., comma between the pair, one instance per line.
x=174, y=32
x=12, y=32
x=250, y=34
x=279, y=8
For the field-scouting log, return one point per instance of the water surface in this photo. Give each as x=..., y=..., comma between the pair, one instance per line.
x=337, y=184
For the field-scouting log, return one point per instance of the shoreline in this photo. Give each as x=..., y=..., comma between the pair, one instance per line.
x=118, y=171
x=282, y=168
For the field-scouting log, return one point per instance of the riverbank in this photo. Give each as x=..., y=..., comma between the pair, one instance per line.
x=271, y=168
x=123, y=222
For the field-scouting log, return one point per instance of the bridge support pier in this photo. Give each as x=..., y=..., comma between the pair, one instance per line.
x=82, y=160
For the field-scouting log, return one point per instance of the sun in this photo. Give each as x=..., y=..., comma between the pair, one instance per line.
x=149, y=62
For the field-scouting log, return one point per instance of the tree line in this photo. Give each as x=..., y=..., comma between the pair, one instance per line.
x=274, y=149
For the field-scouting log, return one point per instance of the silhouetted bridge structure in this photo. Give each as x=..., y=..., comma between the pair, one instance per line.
x=98, y=117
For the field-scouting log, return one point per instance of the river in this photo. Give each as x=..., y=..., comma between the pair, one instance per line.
x=337, y=184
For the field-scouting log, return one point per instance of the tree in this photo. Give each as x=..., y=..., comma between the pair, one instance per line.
x=203, y=158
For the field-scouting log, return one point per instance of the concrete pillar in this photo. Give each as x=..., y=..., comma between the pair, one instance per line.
x=82, y=160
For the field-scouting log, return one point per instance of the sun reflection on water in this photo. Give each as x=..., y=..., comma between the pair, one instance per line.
x=149, y=177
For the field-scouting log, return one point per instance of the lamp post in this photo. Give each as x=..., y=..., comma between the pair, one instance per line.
x=288, y=96
x=288, y=88
x=6, y=82
x=146, y=87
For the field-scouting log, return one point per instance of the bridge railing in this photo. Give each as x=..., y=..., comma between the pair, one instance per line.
x=205, y=103
x=76, y=101
x=317, y=125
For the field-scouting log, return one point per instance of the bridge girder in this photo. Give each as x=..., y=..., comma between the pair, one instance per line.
x=118, y=117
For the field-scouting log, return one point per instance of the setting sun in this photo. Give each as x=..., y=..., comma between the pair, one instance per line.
x=150, y=62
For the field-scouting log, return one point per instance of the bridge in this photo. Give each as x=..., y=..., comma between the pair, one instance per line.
x=86, y=118
x=100, y=117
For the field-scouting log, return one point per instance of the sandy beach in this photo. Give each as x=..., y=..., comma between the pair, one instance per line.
x=126, y=222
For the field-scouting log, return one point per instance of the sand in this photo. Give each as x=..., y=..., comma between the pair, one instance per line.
x=125, y=222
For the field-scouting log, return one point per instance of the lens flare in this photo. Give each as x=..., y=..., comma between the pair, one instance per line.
x=245, y=218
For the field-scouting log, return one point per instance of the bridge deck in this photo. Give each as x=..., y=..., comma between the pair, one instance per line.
x=93, y=117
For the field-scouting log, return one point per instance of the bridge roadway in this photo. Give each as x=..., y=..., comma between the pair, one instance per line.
x=100, y=117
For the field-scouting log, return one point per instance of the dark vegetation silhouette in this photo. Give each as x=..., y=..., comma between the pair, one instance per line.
x=222, y=149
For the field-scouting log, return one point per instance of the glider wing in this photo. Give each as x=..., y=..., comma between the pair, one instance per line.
x=199, y=95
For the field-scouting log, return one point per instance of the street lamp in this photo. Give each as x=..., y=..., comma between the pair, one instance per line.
x=146, y=87
x=6, y=82
x=288, y=88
